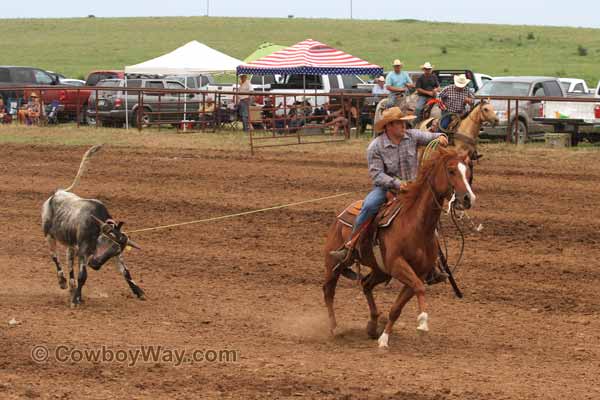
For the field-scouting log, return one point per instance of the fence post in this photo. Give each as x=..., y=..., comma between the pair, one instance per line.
x=77, y=112
x=516, y=121
x=96, y=110
x=139, y=110
x=508, y=124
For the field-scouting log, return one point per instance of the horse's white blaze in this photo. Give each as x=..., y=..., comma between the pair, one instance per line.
x=422, y=320
x=452, y=200
x=463, y=172
x=383, y=340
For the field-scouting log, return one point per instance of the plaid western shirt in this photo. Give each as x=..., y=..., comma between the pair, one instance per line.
x=390, y=164
x=454, y=98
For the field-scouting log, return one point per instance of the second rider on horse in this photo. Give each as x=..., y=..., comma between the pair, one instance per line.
x=393, y=163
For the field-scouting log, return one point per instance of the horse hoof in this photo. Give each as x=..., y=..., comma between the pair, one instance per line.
x=372, y=329
x=62, y=283
x=422, y=321
x=383, y=341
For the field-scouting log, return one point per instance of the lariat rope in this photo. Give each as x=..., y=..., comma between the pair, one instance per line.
x=198, y=221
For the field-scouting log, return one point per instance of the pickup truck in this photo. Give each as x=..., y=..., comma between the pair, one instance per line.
x=72, y=99
x=112, y=105
x=314, y=85
x=576, y=87
x=30, y=78
x=297, y=83
x=534, y=86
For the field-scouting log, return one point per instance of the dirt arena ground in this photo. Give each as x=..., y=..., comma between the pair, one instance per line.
x=527, y=328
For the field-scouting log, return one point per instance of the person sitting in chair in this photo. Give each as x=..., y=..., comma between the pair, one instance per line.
x=393, y=162
x=30, y=113
x=5, y=117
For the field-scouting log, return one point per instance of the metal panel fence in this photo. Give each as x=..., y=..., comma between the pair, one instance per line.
x=274, y=119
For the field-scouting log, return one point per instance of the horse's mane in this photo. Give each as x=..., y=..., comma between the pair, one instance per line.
x=429, y=168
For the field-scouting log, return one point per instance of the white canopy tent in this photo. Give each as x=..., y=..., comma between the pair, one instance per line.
x=190, y=59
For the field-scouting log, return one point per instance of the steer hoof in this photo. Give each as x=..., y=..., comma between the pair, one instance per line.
x=62, y=282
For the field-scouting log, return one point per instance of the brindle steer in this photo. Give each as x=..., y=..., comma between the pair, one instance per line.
x=86, y=228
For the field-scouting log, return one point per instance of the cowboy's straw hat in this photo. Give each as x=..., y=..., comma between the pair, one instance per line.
x=461, y=80
x=427, y=65
x=390, y=115
x=397, y=63
x=33, y=94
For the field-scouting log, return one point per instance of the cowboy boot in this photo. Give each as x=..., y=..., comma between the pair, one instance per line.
x=341, y=254
x=436, y=276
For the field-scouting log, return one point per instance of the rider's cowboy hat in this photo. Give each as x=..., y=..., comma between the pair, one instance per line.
x=391, y=115
x=461, y=80
x=33, y=94
x=427, y=65
x=397, y=63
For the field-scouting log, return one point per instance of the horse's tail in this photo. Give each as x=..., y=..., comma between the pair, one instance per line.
x=83, y=165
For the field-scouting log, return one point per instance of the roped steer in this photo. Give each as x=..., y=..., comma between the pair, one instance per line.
x=86, y=228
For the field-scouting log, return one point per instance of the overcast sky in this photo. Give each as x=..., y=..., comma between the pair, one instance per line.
x=531, y=12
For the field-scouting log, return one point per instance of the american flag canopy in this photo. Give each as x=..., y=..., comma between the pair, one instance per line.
x=309, y=57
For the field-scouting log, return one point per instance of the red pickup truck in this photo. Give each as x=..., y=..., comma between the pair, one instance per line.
x=73, y=98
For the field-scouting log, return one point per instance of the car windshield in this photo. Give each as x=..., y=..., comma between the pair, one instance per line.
x=501, y=88
x=109, y=83
x=95, y=77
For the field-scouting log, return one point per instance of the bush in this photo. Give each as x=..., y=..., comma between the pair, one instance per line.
x=444, y=50
x=530, y=36
x=395, y=40
x=582, y=51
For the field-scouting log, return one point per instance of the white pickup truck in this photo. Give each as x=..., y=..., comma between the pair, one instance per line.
x=311, y=85
x=575, y=87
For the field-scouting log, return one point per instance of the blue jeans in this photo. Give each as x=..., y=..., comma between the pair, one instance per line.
x=375, y=199
x=421, y=101
x=245, y=112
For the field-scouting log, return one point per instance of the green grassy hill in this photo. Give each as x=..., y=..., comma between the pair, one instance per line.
x=76, y=46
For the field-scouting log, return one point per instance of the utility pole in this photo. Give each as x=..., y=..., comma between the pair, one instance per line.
x=350, y=9
x=207, y=7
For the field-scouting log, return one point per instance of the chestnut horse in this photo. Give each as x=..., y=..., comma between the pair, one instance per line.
x=409, y=247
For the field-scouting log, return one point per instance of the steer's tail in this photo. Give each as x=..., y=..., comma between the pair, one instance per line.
x=83, y=165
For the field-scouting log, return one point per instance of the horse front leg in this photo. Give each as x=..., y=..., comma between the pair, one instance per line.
x=402, y=271
x=331, y=280
x=368, y=284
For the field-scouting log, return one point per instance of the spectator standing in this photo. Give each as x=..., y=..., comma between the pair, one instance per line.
x=244, y=101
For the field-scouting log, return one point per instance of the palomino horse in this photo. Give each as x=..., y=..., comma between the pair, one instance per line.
x=467, y=133
x=408, y=245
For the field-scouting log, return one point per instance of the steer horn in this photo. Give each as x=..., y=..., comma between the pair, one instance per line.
x=133, y=244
